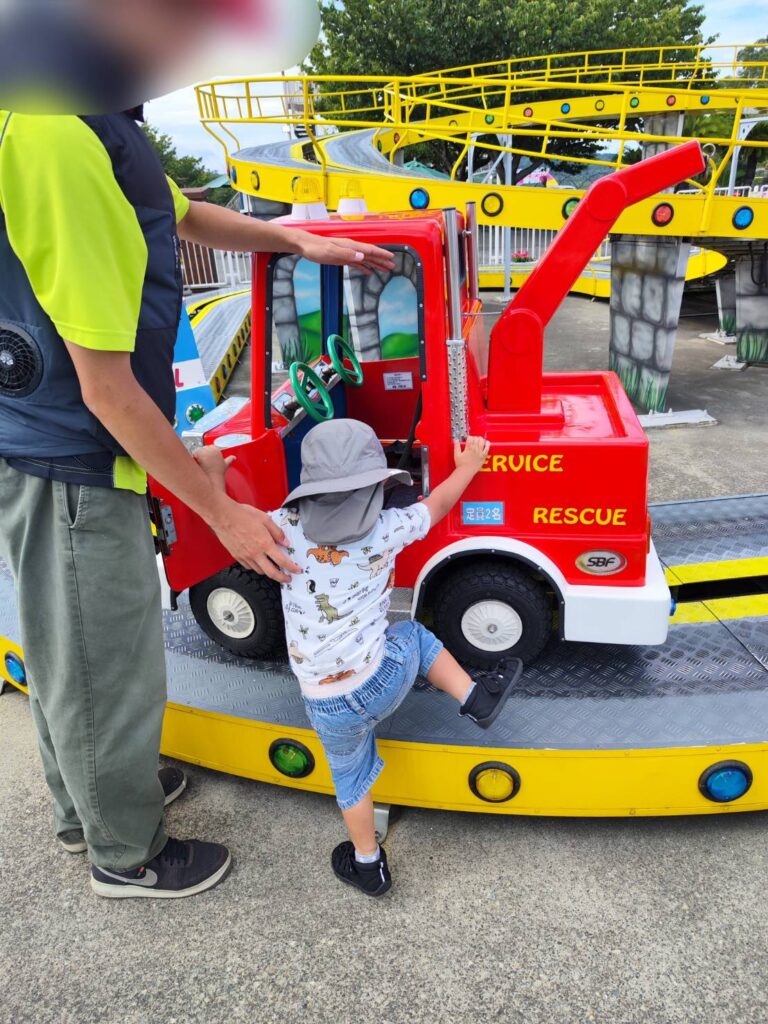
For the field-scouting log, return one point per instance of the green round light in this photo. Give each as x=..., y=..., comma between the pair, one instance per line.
x=569, y=206
x=292, y=759
x=489, y=118
x=634, y=102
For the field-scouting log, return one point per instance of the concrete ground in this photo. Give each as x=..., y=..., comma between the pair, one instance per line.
x=537, y=921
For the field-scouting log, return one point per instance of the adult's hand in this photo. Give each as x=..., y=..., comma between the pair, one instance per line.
x=116, y=399
x=345, y=252
x=219, y=228
x=253, y=540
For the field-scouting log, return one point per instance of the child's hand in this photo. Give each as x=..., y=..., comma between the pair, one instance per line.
x=212, y=462
x=474, y=455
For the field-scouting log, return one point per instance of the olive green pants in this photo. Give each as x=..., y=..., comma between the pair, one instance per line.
x=88, y=595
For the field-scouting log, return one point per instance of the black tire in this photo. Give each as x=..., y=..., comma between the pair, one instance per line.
x=262, y=595
x=466, y=588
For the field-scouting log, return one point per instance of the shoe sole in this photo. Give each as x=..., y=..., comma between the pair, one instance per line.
x=379, y=892
x=127, y=892
x=486, y=723
x=82, y=847
x=176, y=792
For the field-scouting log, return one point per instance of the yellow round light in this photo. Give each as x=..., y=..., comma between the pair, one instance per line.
x=494, y=782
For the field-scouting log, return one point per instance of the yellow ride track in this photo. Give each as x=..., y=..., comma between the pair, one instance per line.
x=358, y=131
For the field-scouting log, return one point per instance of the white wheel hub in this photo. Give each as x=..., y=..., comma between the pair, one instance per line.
x=231, y=614
x=491, y=626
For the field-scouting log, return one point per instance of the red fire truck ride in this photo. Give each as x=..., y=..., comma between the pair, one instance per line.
x=553, y=536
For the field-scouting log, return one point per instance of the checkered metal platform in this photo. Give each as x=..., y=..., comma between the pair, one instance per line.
x=707, y=686
x=717, y=530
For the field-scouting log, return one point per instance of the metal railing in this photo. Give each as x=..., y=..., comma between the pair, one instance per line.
x=207, y=269
x=531, y=241
x=522, y=107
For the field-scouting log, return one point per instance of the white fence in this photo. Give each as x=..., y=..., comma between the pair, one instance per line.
x=742, y=191
x=209, y=269
x=533, y=241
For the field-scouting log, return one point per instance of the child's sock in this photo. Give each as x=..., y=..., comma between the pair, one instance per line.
x=470, y=691
x=367, y=858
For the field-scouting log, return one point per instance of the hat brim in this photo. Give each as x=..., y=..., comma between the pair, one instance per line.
x=347, y=483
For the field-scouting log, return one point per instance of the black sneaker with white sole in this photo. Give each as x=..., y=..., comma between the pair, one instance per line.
x=182, y=868
x=492, y=691
x=372, y=879
x=174, y=782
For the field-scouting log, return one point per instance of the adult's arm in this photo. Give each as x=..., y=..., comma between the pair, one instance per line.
x=220, y=228
x=117, y=400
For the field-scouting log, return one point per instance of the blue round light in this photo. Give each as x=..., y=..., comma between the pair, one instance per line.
x=566, y=108
x=743, y=217
x=704, y=100
x=726, y=781
x=14, y=666
x=419, y=199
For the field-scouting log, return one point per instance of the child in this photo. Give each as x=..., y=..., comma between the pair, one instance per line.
x=354, y=669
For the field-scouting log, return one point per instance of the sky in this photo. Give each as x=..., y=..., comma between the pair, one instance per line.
x=733, y=21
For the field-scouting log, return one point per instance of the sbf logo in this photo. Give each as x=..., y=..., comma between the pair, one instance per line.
x=601, y=563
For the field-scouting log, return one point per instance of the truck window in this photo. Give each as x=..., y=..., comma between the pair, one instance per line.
x=382, y=313
x=296, y=311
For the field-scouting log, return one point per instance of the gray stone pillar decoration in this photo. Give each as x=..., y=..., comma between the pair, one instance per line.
x=285, y=315
x=647, y=278
x=661, y=124
x=752, y=307
x=725, y=288
x=363, y=294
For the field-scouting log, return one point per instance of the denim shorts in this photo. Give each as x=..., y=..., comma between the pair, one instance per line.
x=346, y=724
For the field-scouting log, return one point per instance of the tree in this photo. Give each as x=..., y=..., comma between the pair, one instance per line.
x=408, y=37
x=719, y=124
x=186, y=171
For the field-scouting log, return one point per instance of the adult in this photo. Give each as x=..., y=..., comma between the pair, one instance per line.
x=90, y=299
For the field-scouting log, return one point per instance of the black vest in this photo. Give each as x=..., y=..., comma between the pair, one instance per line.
x=42, y=414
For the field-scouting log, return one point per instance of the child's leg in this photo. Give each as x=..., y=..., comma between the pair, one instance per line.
x=360, y=825
x=448, y=675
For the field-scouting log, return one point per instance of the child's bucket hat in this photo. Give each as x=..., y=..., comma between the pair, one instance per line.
x=343, y=470
x=342, y=455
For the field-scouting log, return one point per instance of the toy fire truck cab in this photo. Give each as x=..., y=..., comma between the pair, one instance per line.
x=553, y=534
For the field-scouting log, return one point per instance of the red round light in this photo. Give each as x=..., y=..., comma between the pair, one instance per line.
x=662, y=215
x=671, y=101
x=528, y=112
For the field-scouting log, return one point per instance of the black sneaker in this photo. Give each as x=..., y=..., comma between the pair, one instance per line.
x=491, y=692
x=182, y=868
x=174, y=782
x=74, y=841
x=372, y=879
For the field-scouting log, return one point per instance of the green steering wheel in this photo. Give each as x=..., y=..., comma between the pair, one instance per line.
x=305, y=383
x=339, y=350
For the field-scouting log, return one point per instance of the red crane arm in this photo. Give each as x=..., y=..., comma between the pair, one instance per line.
x=514, y=376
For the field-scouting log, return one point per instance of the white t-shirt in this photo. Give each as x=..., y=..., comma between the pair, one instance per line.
x=336, y=612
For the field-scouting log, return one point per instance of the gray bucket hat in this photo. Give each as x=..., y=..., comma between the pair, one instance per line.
x=328, y=453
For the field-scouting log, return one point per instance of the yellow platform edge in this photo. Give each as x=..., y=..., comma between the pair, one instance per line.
x=558, y=783
x=554, y=782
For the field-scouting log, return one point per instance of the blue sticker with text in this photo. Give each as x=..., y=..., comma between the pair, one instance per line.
x=482, y=513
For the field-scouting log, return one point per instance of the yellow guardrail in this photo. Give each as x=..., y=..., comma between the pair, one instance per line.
x=525, y=107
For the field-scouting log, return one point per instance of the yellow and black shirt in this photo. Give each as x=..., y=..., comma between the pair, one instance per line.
x=88, y=252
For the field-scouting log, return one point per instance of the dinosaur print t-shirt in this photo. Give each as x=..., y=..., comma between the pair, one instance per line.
x=336, y=612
